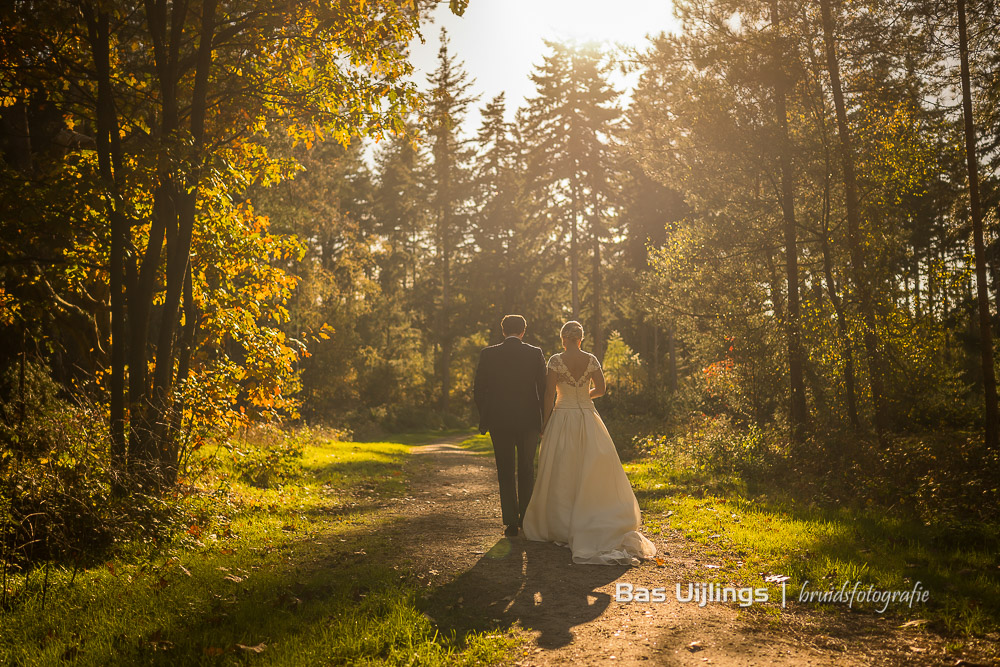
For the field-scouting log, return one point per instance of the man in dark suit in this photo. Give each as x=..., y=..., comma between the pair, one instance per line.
x=509, y=386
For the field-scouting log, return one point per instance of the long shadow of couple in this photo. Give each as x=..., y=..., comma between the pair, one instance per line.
x=534, y=583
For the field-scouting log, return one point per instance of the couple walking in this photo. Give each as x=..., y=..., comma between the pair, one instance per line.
x=581, y=497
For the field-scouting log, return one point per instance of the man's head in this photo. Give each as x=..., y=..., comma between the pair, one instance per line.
x=513, y=325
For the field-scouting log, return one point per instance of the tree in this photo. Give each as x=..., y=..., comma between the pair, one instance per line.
x=178, y=97
x=860, y=270
x=982, y=295
x=711, y=118
x=398, y=210
x=447, y=191
x=571, y=122
x=797, y=400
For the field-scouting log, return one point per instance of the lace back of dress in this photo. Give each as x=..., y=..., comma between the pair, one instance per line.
x=571, y=391
x=557, y=364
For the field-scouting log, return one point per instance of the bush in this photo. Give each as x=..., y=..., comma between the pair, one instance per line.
x=945, y=479
x=716, y=445
x=267, y=456
x=60, y=496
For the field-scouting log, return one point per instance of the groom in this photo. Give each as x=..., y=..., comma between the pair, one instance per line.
x=509, y=386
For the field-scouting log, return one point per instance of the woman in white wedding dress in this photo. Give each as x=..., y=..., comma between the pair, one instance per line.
x=581, y=496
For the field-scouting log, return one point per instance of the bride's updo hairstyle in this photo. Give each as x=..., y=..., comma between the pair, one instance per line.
x=572, y=330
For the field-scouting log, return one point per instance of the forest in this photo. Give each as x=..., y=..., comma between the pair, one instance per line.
x=226, y=219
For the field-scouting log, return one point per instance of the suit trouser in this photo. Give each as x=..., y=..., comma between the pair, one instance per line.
x=514, y=495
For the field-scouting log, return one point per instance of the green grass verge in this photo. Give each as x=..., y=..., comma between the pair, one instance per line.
x=284, y=576
x=426, y=437
x=760, y=530
x=478, y=444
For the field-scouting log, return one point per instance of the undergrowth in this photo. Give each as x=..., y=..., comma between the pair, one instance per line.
x=905, y=514
x=292, y=571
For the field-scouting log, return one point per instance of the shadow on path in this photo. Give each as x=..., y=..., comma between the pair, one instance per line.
x=532, y=584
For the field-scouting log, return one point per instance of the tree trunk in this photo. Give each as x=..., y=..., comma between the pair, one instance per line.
x=845, y=335
x=671, y=360
x=443, y=168
x=446, y=343
x=797, y=398
x=982, y=296
x=834, y=294
x=171, y=462
x=574, y=269
x=858, y=268
x=178, y=252
x=109, y=161
x=151, y=446
x=143, y=450
x=597, y=288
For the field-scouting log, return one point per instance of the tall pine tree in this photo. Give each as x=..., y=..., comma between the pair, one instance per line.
x=571, y=122
x=448, y=195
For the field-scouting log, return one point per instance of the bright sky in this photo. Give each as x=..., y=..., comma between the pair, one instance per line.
x=500, y=41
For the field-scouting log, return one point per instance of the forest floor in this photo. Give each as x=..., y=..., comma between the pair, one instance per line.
x=448, y=531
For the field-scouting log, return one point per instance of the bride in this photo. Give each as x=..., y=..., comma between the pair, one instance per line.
x=581, y=496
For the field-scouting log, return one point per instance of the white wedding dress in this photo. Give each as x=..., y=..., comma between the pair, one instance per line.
x=581, y=496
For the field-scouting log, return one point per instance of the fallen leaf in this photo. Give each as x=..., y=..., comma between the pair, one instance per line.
x=660, y=562
x=259, y=648
x=233, y=578
x=915, y=623
x=776, y=578
x=214, y=651
x=694, y=646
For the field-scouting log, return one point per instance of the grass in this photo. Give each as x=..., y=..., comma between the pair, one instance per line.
x=478, y=444
x=759, y=530
x=426, y=437
x=286, y=576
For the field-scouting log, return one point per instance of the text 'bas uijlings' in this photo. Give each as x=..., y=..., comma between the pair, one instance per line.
x=701, y=593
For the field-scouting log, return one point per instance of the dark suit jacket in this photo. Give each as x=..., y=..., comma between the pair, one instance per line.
x=509, y=386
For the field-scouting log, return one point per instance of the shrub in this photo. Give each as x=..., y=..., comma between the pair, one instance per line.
x=717, y=445
x=267, y=456
x=60, y=496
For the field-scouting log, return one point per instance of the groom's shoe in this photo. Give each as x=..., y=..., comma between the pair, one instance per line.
x=510, y=531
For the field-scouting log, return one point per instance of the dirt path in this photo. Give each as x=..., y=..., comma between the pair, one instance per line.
x=449, y=531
